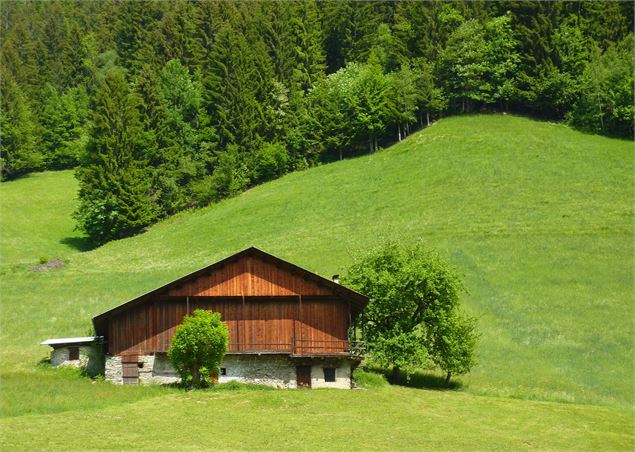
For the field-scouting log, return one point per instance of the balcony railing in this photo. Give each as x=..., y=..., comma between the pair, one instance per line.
x=302, y=347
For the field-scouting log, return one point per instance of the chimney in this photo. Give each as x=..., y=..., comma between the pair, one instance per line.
x=336, y=279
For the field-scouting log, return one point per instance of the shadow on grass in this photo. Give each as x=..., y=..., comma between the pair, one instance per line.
x=419, y=380
x=229, y=386
x=78, y=243
x=422, y=380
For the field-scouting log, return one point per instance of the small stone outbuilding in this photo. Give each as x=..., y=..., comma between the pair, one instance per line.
x=81, y=352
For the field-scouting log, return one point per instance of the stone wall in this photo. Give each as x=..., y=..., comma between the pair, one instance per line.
x=278, y=371
x=112, y=369
x=153, y=369
x=272, y=370
x=342, y=375
x=162, y=370
x=90, y=359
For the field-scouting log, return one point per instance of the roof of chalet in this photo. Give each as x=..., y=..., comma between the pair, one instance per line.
x=358, y=300
x=70, y=340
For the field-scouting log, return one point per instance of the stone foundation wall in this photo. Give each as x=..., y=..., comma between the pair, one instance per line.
x=342, y=375
x=272, y=370
x=162, y=370
x=90, y=359
x=112, y=369
x=278, y=371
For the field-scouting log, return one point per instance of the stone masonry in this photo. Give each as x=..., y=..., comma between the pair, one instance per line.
x=278, y=371
x=89, y=359
x=272, y=370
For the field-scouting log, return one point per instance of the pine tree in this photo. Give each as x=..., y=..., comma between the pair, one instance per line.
x=18, y=151
x=186, y=140
x=174, y=36
x=309, y=56
x=62, y=119
x=238, y=83
x=135, y=25
x=114, y=183
x=58, y=65
x=22, y=50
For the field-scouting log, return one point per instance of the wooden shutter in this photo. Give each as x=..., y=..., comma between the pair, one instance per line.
x=73, y=353
x=130, y=369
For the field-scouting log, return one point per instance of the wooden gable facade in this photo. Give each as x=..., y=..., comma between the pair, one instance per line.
x=269, y=306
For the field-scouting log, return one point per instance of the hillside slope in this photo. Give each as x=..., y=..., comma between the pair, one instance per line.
x=537, y=217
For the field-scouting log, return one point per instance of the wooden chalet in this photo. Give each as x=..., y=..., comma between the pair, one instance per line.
x=288, y=327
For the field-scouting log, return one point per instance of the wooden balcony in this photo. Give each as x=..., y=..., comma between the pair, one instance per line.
x=303, y=347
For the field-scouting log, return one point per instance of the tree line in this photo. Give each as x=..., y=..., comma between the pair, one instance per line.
x=164, y=106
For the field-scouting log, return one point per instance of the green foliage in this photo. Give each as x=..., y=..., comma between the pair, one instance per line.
x=413, y=316
x=63, y=119
x=403, y=98
x=369, y=380
x=17, y=132
x=184, y=136
x=271, y=161
x=605, y=100
x=367, y=99
x=479, y=62
x=198, y=345
x=325, y=80
x=114, y=183
x=238, y=82
x=454, y=343
x=230, y=173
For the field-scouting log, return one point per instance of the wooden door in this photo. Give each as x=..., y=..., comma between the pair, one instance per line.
x=303, y=376
x=130, y=369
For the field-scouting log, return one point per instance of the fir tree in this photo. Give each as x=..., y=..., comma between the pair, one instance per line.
x=62, y=119
x=18, y=154
x=114, y=182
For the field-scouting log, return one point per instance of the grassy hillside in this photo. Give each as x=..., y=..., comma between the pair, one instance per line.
x=537, y=217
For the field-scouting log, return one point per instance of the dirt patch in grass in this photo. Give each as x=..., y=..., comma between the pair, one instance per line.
x=48, y=265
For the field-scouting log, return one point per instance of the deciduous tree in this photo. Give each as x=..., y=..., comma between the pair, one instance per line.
x=198, y=346
x=414, y=319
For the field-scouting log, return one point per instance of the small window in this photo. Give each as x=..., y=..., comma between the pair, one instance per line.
x=329, y=374
x=73, y=353
x=223, y=371
x=140, y=365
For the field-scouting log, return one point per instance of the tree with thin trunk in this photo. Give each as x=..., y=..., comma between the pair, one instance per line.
x=198, y=346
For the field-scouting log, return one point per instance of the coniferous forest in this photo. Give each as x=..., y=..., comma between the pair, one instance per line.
x=165, y=106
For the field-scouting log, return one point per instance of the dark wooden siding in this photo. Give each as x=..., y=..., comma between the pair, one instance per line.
x=284, y=324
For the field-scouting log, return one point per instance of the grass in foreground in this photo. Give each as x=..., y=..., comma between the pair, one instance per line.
x=391, y=418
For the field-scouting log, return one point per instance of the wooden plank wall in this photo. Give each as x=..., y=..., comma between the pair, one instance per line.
x=324, y=327
x=250, y=277
x=254, y=325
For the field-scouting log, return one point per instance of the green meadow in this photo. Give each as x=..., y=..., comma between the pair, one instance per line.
x=536, y=216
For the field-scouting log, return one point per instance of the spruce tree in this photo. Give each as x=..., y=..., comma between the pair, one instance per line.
x=238, y=83
x=62, y=118
x=18, y=151
x=114, y=183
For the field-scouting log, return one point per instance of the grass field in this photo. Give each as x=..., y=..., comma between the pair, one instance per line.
x=538, y=218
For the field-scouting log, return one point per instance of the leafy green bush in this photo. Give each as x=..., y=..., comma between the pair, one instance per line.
x=271, y=161
x=198, y=345
x=365, y=379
